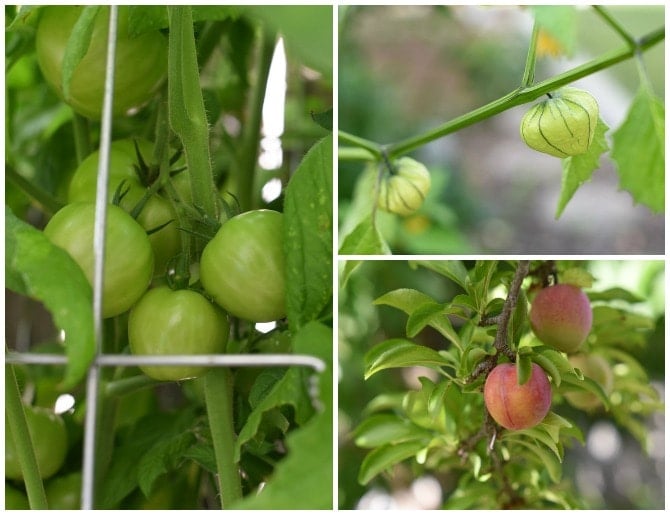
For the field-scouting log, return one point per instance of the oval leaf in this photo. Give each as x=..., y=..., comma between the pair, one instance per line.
x=397, y=353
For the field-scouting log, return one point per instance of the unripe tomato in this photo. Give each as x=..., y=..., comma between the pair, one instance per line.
x=15, y=499
x=403, y=192
x=64, y=492
x=49, y=439
x=156, y=212
x=141, y=61
x=168, y=322
x=129, y=260
x=242, y=267
x=563, y=125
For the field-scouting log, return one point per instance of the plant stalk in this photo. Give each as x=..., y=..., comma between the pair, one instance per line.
x=219, y=400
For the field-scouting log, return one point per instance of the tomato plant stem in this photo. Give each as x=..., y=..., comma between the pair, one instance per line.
x=16, y=419
x=219, y=399
x=49, y=203
x=187, y=108
x=245, y=171
x=82, y=140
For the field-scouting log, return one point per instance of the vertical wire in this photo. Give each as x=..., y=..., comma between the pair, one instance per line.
x=93, y=379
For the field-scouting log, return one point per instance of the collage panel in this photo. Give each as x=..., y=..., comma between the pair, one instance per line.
x=502, y=384
x=501, y=130
x=169, y=263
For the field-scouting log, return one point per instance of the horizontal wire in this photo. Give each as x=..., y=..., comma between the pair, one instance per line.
x=206, y=360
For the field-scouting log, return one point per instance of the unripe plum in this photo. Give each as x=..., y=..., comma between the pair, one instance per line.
x=594, y=367
x=516, y=406
x=561, y=317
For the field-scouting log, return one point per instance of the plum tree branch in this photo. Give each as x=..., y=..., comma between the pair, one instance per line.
x=500, y=342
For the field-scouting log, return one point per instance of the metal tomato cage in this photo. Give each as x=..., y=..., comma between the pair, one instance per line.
x=108, y=360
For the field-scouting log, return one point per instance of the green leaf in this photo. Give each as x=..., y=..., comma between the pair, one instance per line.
x=454, y=270
x=549, y=367
x=308, y=236
x=77, y=45
x=161, y=458
x=615, y=294
x=324, y=119
x=578, y=169
x=588, y=384
x=381, y=429
x=308, y=447
x=36, y=268
x=424, y=315
x=397, y=353
x=365, y=239
x=382, y=458
x=551, y=463
x=560, y=22
x=523, y=369
x=639, y=150
x=407, y=300
x=306, y=29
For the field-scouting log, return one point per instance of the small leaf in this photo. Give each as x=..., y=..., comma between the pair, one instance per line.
x=550, y=462
x=77, y=45
x=639, y=150
x=397, y=353
x=454, y=270
x=382, y=458
x=407, y=300
x=615, y=294
x=378, y=430
x=549, y=367
x=578, y=169
x=365, y=239
x=523, y=369
x=422, y=316
x=324, y=119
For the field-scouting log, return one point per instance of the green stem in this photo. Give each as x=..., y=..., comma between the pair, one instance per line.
x=246, y=165
x=529, y=71
x=49, y=203
x=128, y=385
x=374, y=148
x=605, y=15
x=82, y=140
x=354, y=154
x=523, y=95
x=15, y=418
x=187, y=109
x=219, y=399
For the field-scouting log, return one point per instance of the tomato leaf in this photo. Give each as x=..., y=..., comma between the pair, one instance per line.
x=578, y=169
x=308, y=236
x=77, y=45
x=309, y=446
x=639, y=150
x=306, y=30
x=36, y=268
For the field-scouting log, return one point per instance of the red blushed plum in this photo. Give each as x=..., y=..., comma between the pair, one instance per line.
x=561, y=317
x=516, y=406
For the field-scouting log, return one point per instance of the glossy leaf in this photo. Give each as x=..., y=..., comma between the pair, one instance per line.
x=398, y=353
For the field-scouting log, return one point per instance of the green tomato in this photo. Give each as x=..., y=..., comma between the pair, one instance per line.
x=15, y=499
x=64, y=492
x=49, y=439
x=156, y=212
x=242, y=267
x=403, y=192
x=141, y=61
x=168, y=322
x=129, y=260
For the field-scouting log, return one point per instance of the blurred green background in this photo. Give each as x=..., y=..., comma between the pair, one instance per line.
x=406, y=69
x=611, y=471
